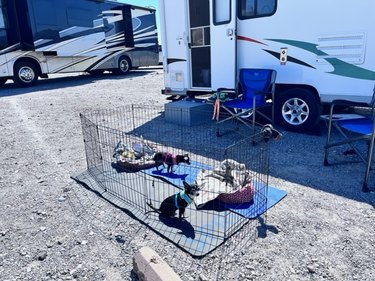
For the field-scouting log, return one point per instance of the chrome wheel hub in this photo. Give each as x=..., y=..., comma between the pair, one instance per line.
x=124, y=66
x=26, y=74
x=295, y=111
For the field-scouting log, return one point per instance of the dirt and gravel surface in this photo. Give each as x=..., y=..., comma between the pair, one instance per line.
x=51, y=228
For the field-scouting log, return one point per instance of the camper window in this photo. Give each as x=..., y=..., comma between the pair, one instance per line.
x=222, y=11
x=200, y=36
x=197, y=37
x=256, y=8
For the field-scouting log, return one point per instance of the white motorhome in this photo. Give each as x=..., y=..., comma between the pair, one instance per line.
x=39, y=37
x=322, y=50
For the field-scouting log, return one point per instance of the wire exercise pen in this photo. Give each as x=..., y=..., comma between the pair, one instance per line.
x=232, y=174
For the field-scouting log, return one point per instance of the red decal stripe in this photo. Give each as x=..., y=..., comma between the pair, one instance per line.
x=249, y=39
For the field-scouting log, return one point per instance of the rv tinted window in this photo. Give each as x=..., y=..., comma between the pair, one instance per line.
x=2, y=22
x=256, y=8
x=80, y=17
x=45, y=13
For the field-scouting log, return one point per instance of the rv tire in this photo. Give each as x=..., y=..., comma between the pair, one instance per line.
x=96, y=72
x=297, y=109
x=124, y=66
x=3, y=80
x=25, y=74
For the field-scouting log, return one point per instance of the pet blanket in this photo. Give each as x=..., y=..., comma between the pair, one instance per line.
x=136, y=158
x=256, y=206
x=230, y=183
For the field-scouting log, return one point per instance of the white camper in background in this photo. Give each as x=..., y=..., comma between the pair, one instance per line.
x=322, y=50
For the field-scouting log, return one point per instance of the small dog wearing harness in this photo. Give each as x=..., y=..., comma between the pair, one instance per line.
x=170, y=159
x=178, y=201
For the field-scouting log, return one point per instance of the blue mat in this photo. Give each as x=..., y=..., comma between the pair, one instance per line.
x=256, y=207
x=182, y=172
x=189, y=173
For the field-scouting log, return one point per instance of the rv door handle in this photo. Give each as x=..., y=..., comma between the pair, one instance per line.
x=230, y=32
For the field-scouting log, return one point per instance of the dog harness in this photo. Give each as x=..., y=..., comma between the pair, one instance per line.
x=183, y=196
x=169, y=158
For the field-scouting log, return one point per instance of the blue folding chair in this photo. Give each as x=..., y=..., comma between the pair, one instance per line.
x=255, y=88
x=353, y=128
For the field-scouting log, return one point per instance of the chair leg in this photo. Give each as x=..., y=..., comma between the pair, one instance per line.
x=369, y=160
x=328, y=137
x=365, y=188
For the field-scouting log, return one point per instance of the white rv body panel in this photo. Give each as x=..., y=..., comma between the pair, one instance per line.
x=175, y=44
x=337, y=28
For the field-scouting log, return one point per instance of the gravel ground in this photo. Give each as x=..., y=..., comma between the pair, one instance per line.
x=51, y=228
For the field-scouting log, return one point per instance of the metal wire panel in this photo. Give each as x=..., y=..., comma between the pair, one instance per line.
x=204, y=228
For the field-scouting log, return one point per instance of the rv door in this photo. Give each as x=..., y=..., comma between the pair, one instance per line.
x=200, y=44
x=174, y=28
x=223, y=44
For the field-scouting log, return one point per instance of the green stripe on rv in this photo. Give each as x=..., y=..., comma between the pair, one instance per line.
x=341, y=68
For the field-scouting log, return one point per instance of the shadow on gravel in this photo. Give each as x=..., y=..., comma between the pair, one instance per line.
x=298, y=158
x=264, y=228
x=10, y=89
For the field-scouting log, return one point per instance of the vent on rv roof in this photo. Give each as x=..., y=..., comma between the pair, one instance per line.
x=349, y=48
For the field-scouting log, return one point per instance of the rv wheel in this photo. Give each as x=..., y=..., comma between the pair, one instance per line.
x=297, y=109
x=124, y=66
x=25, y=74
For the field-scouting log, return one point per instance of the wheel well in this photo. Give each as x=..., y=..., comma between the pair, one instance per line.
x=30, y=60
x=284, y=87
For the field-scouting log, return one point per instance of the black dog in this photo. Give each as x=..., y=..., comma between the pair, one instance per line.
x=178, y=201
x=161, y=158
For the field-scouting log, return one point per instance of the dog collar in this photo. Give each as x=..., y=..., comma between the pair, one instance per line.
x=176, y=200
x=183, y=196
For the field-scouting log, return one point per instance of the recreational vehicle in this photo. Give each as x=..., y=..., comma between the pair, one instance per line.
x=322, y=50
x=39, y=37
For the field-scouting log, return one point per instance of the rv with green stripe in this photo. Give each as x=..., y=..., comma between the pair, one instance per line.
x=322, y=50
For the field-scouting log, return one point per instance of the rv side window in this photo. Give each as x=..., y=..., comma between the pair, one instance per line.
x=78, y=16
x=2, y=22
x=256, y=8
x=222, y=11
x=3, y=34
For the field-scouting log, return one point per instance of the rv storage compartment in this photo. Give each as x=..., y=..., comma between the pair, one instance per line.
x=188, y=113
